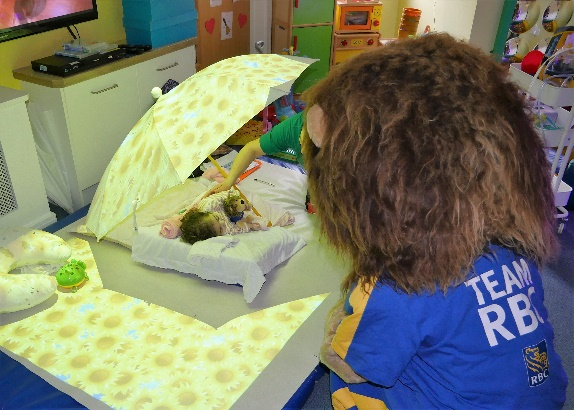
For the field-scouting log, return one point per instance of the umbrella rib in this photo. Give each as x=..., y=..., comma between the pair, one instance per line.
x=224, y=174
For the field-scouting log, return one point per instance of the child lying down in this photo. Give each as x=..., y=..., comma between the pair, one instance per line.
x=218, y=214
x=225, y=214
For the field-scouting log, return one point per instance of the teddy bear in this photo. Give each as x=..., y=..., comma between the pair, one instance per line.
x=238, y=211
x=20, y=247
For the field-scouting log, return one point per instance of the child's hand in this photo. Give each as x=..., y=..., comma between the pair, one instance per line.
x=254, y=226
x=242, y=224
x=261, y=224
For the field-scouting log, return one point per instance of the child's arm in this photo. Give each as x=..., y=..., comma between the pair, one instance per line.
x=244, y=158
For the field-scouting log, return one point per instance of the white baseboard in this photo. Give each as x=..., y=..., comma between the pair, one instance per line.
x=43, y=221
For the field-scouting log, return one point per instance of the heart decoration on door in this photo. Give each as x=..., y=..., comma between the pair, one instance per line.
x=210, y=25
x=242, y=20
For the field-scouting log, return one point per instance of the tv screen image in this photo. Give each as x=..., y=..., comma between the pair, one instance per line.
x=19, y=18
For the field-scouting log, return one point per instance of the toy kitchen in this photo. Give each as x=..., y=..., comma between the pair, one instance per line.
x=356, y=28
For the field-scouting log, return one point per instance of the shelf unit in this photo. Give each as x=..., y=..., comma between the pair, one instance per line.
x=561, y=139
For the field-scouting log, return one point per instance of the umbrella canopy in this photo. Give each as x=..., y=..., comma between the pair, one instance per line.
x=183, y=127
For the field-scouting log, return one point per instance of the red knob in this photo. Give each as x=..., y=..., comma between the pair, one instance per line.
x=370, y=41
x=344, y=43
x=376, y=23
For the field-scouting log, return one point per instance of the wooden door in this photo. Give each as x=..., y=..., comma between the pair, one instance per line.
x=281, y=25
x=223, y=30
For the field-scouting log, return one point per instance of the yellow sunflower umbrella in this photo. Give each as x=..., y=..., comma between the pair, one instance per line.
x=183, y=127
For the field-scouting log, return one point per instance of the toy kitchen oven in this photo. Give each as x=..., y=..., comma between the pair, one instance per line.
x=356, y=28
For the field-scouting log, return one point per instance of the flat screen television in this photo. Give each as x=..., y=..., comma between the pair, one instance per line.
x=20, y=18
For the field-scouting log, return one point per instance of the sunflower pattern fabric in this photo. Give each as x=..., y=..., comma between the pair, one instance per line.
x=182, y=128
x=130, y=354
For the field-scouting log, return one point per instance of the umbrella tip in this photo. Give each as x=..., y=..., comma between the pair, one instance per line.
x=156, y=92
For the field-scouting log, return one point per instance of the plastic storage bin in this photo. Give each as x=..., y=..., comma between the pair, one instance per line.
x=157, y=33
x=149, y=10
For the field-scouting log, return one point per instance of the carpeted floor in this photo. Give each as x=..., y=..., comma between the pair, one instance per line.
x=558, y=279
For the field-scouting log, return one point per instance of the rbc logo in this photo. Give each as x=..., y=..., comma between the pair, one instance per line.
x=536, y=359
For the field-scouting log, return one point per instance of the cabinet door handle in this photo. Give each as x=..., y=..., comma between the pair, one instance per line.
x=167, y=67
x=103, y=90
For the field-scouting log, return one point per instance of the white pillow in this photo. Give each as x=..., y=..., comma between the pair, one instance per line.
x=23, y=291
x=242, y=259
x=24, y=246
x=21, y=247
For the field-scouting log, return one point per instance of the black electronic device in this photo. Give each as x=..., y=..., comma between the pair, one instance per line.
x=64, y=66
x=135, y=49
x=57, y=65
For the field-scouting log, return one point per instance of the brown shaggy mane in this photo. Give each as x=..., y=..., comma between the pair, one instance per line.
x=429, y=155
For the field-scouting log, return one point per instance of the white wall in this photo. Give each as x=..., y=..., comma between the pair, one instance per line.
x=389, y=21
x=475, y=21
x=452, y=16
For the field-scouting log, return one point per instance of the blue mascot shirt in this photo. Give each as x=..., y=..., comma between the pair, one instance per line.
x=486, y=343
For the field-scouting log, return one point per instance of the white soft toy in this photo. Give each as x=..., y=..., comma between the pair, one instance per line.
x=20, y=247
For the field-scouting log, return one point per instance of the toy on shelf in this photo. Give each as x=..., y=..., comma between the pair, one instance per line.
x=299, y=105
x=556, y=15
x=284, y=107
x=532, y=61
x=72, y=275
x=557, y=66
x=531, y=23
x=525, y=15
x=409, y=22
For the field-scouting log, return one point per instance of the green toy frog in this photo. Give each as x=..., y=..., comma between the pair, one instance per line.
x=72, y=275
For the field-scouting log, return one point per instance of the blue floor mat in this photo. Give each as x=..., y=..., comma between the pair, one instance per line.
x=22, y=389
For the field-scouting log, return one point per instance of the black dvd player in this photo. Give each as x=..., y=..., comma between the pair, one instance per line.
x=65, y=66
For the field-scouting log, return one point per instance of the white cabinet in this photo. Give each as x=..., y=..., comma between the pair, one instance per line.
x=154, y=73
x=88, y=115
x=99, y=114
x=23, y=199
